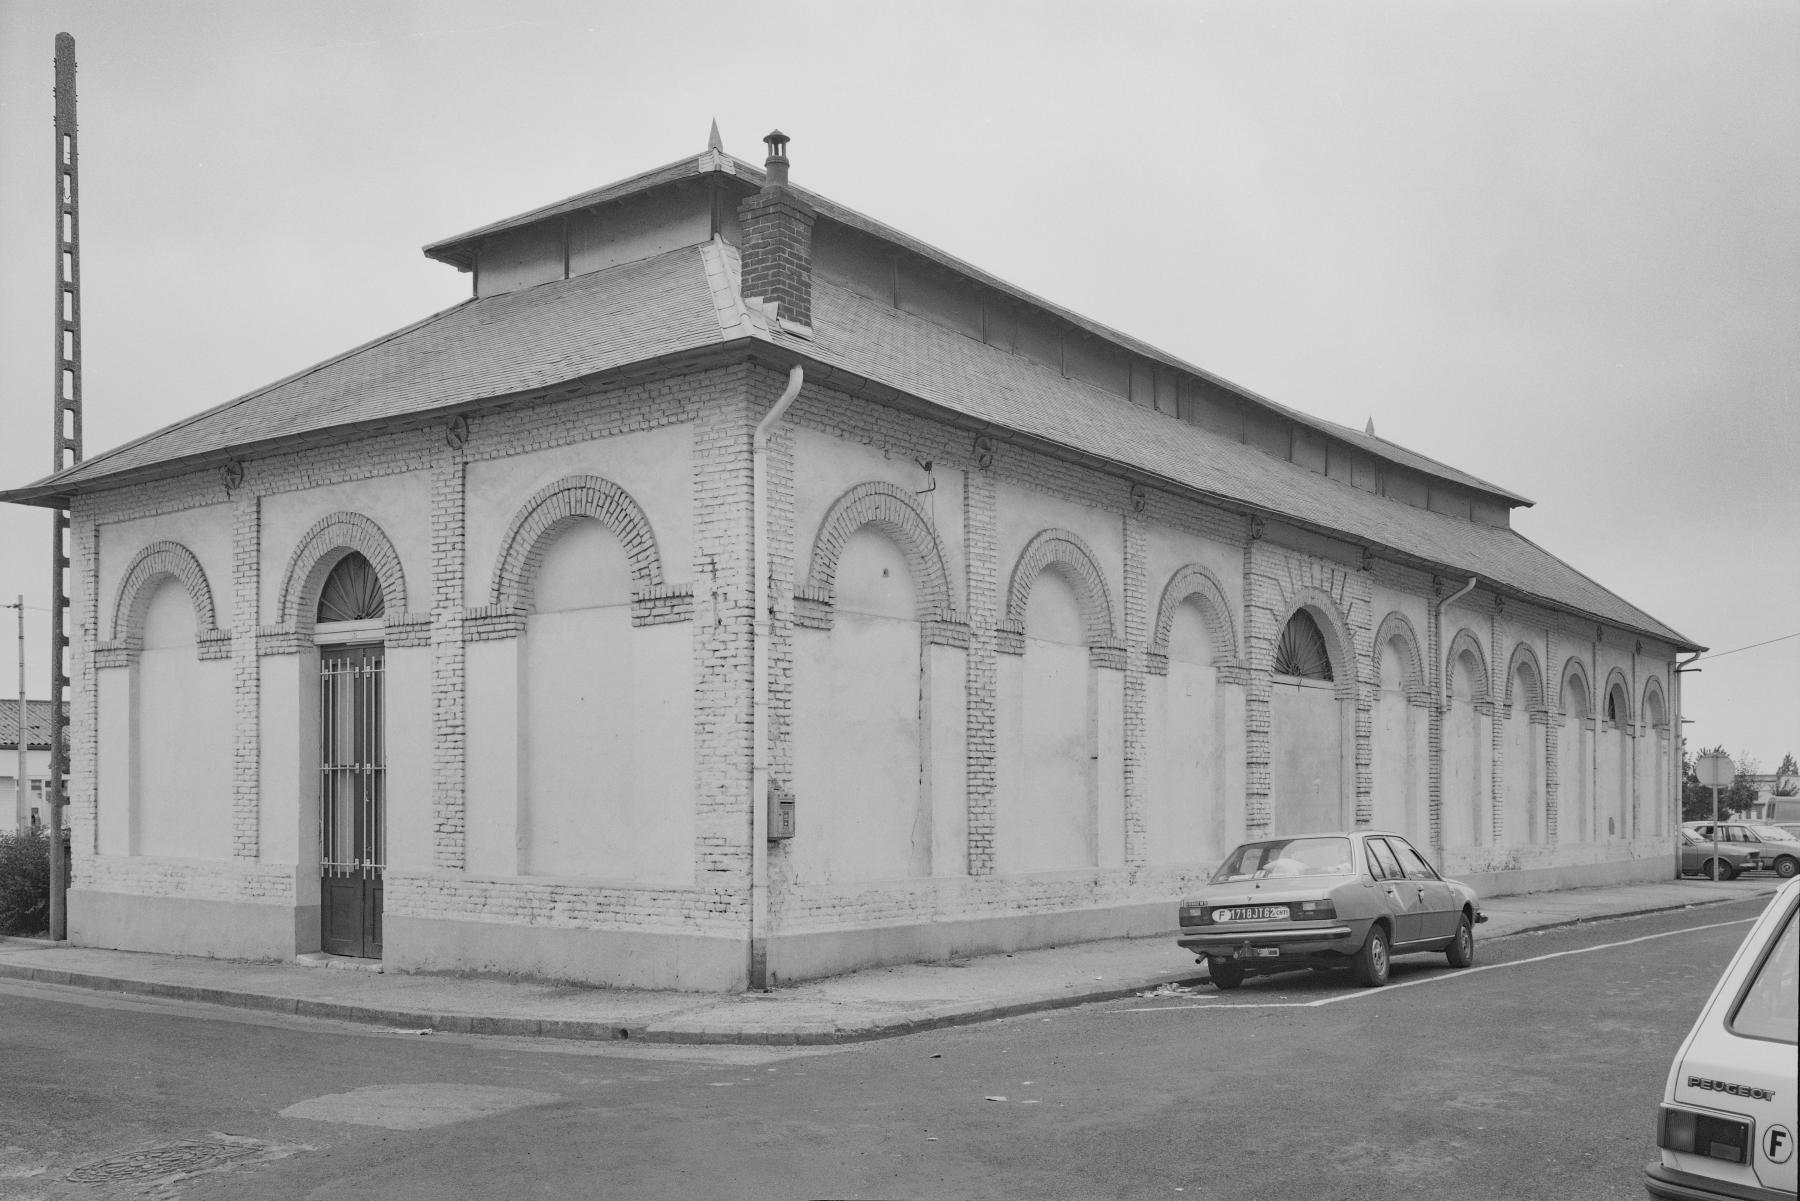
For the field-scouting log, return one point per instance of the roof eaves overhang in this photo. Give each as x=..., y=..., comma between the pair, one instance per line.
x=892, y=397
x=51, y=494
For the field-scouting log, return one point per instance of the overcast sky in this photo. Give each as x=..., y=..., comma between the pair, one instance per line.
x=1554, y=244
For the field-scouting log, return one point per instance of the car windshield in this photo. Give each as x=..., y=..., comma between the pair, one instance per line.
x=1771, y=833
x=1771, y=1001
x=1286, y=857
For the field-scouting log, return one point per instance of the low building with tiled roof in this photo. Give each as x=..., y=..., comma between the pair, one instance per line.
x=26, y=806
x=735, y=589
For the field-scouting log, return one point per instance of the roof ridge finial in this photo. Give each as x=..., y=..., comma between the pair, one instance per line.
x=1369, y=429
x=713, y=140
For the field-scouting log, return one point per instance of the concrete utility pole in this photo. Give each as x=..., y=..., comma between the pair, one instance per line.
x=66, y=452
x=21, y=795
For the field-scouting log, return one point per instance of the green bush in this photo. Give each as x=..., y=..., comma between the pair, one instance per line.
x=25, y=882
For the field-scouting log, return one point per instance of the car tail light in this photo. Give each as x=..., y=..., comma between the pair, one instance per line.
x=1703, y=1134
x=1310, y=911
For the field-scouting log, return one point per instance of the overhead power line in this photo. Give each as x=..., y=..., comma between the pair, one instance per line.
x=1751, y=647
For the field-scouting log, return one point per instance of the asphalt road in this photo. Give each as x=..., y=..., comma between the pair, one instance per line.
x=1533, y=1075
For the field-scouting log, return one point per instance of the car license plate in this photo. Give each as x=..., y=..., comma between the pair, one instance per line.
x=1252, y=913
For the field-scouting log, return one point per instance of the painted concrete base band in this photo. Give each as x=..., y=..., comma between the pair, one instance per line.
x=190, y=926
x=817, y=954
x=1556, y=878
x=611, y=958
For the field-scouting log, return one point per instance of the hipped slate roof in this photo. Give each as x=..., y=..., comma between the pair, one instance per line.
x=686, y=300
x=459, y=251
x=37, y=715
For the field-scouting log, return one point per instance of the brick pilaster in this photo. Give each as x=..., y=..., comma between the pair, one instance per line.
x=982, y=570
x=1137, y=637
x=246, y=675
x=449, y=702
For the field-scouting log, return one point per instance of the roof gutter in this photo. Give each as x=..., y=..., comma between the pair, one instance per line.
x=761, y=798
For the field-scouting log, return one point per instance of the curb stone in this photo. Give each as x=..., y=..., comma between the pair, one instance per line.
x=925, y=1018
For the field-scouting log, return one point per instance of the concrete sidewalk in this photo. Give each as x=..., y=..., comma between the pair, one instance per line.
x=864, y=1005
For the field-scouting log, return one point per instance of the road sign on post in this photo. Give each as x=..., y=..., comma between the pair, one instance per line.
x=1715, y=770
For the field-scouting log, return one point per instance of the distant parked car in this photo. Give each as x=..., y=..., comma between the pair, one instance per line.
x=1725, y=1128
x=1734, y=857
x=1327, y=900
x=1780, y=850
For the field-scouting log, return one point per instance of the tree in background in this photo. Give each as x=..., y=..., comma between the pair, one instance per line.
x=1787, y=777
x=1697, y=798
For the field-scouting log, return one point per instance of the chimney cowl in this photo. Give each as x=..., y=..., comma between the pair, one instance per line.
x=777, y=162
x=775, y=250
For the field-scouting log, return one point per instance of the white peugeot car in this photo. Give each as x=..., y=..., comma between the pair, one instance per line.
x=1727, y=1122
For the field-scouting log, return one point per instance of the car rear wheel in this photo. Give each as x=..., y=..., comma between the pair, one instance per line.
x=1725, y=872
x=1461, y=951
x=1787, y=866
x=1226, y=974
x=1373, y=961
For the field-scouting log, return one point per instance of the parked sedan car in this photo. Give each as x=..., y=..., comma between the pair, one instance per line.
x=1352, y=899
x=1780, y=851
x=1697, y=856
x=1725, y=1129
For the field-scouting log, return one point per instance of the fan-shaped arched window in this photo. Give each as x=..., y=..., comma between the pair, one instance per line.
x=1301, y=649
x=352, y=591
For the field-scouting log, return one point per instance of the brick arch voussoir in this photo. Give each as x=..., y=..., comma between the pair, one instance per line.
x=1655, y=703
x=1195, y=582
x=893, y=512
x=1524, y=656
x=1067, y=555
x=1340, y=644
x=548, y=512
x=1575, y=669
x=1465, y=643
x=322, y=548
x=1616, y=682
x=149, y=568
x=1395, y=627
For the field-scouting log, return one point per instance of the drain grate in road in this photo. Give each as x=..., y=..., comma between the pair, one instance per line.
x=157, y=1162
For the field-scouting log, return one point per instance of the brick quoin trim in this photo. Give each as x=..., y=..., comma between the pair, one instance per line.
x=322, y=548
x=151, y=566
x=584, y=498
x=1067, y=555
x=891, y=511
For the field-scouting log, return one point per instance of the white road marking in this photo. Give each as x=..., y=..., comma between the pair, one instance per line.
x=1463, y=974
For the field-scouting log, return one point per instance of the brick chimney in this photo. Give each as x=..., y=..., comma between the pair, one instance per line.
x=776, y=255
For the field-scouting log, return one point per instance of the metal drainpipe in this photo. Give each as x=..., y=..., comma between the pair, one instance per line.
x=1444, y=679
x=1679, y=738
x=759, y=699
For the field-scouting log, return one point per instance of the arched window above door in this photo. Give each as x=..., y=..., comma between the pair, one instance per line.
x=1301, y=650
x=352, y=592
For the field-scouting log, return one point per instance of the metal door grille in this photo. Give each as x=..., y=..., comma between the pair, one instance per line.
x=353, y=763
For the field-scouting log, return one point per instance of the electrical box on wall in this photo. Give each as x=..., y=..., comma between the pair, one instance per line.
x=781, y=814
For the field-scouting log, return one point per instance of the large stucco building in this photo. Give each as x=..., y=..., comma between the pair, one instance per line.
x=736, y=589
